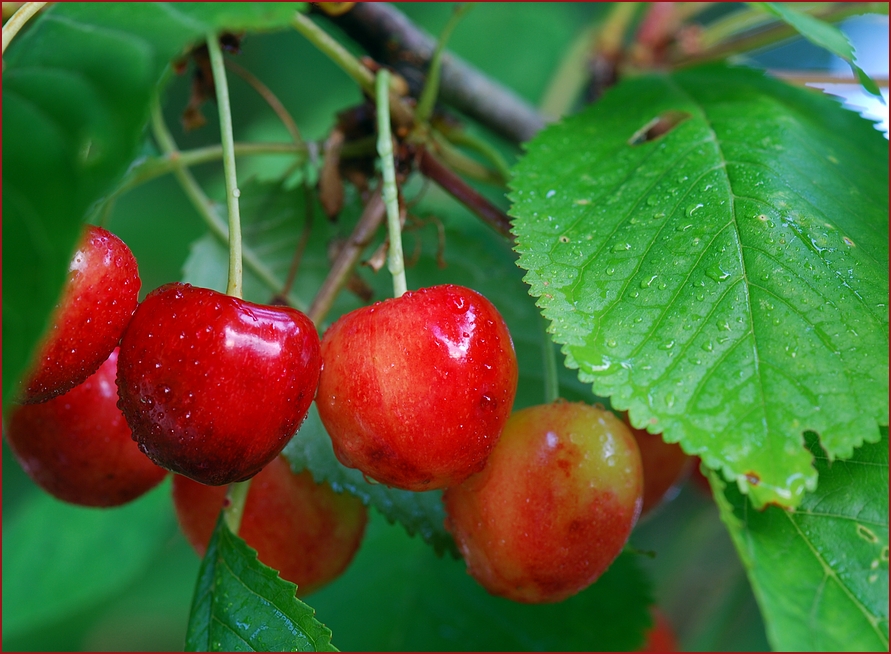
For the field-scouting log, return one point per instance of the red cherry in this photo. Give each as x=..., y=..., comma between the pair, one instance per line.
x=78, y=447
x=415, y=390
x=96, y=304
x=660, y=637
x=554, y=505
x=214, y=386
x=665, y=467
x=305, y=530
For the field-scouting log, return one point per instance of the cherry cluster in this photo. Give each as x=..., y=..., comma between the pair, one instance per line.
x=417, y=392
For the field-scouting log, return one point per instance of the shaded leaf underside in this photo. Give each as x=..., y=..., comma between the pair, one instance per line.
x=727, y=281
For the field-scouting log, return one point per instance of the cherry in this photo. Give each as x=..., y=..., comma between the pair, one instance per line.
x=660, y=637
x=305, y=530
x=554, y=505
x=96, y=303
x=665, y=467
x=415, y=390
x=78, y=448
x=213, y=386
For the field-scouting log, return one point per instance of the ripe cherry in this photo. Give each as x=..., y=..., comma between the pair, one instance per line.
x=96, y=304
x=213, y=386
x=305, y=530
x=415, y=390
x=554, y=505
x=78, y=446
x=661, y=636
x=665, y=467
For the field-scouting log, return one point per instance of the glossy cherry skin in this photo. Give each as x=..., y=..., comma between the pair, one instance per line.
x=554, y=505
x=78, y=447
x=415, y=390
x=305, y=530
x=665, y=467
x=96, y=304
x=213, y=386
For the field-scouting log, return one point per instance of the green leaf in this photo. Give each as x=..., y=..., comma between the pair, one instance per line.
x=77, y=86
x=419, y=513
x=820, y=573
x=59, y=558
x=824, y=35
x=726, y=281
x=241, y=605
x=402, y=597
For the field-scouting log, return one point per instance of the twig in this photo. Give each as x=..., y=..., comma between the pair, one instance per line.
x=430, y=167
x=390, y=37
x=371, y=219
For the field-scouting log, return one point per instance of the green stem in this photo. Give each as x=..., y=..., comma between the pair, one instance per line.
x=18, y=20
x=396, y=263
x=205, y=207
x=234, y=507
x=549, y=359
x=348, y=63
x=218, y=66
x=431, y=86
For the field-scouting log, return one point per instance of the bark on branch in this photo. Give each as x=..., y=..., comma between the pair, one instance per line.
x=391, y=38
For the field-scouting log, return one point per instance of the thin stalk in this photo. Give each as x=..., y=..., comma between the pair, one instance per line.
x=549, y=361
x=431, y=86
x=18, y=20
x=459, y=162
x=349, y=64
x=205, y=207
x=396, y=263
x=271, y=99
x=233, y=508
x=235, y=286
x=570, y=77
x=363, y=232
x=610, y=39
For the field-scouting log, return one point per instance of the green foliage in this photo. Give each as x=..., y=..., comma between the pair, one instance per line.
x=727, y=281
x=242, y=605
x=402, y=597
x=72, y=118
x=419, y=513
x=824, y=35
x=821, y=572
x=59, y=558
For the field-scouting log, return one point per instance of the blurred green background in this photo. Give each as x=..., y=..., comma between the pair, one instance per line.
x=698, y=581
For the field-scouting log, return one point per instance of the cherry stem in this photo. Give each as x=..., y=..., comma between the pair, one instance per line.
x=218, y=66
x=549, y=359
x=18, y=20
x=234, y=507
x=205, y=208
x=396, y=263
x=431, y=86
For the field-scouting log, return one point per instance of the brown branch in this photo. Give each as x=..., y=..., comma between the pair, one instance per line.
x=369, y=222
x=391, y=38
x=433, y=169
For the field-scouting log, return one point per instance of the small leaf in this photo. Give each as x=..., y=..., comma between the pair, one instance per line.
x=59, y=558
x=241, y=605
x=419, y=513
x=821, y=572
x=824, y=35
x=727, y=278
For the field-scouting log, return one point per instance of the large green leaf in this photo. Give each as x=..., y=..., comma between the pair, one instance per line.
x=241, y=605
x=821, y=572
x=402, y=597
x=76, y=92
x=59, y=558
x=726, y=281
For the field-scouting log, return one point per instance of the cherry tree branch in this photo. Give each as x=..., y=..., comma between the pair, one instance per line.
x=391, y=38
